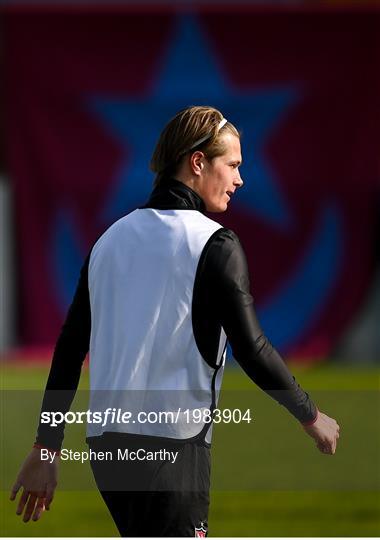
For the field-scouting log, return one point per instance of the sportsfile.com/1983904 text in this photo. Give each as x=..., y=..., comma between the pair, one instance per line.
x=118, y=416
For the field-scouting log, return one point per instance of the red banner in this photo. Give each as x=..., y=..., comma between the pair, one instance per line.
x=87, y=96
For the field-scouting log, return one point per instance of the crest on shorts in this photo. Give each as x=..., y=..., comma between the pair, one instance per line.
x=201, y=531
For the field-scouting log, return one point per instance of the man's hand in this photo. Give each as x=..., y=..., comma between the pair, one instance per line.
x=325, y=432
x=38, y=479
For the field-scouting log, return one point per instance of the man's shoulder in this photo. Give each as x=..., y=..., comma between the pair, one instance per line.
x=226, y=237
x=113, y=231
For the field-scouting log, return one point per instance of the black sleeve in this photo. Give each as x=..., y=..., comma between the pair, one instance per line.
x=70, y=351
x=226, y=271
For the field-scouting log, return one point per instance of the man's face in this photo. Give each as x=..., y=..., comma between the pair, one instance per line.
x=220, y=178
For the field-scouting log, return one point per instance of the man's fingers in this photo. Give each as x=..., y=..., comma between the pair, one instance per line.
x=49, y=496
x=14, y=491
x=326, y=434
x=22, y=502
x=30, y=507
x=328, y=448
x=40, y=507
x=325, y=448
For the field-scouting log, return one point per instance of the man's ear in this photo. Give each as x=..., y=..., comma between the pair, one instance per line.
x=196, y=162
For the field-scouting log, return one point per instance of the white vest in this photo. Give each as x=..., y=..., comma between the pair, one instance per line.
x=143, y=353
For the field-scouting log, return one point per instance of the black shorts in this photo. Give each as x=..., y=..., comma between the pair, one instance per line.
x=153, y=486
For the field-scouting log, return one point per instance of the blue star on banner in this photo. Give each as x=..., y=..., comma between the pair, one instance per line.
x=191, y=75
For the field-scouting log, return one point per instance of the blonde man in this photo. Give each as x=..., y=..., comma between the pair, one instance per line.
x=159, y=294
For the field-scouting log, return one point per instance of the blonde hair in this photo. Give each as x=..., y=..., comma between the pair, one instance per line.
x=180, y=136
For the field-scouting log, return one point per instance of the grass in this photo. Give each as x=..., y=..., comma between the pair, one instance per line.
x=268, y=479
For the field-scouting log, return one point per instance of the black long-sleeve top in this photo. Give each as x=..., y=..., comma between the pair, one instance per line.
x=221, y=298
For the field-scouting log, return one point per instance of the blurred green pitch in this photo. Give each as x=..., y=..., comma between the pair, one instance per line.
x=268, y=477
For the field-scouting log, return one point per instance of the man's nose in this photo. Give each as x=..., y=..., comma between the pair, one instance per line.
x=238, y=181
